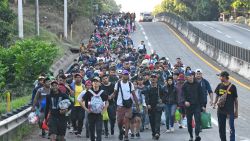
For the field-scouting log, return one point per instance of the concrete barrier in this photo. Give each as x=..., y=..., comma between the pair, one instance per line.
x=227, y=60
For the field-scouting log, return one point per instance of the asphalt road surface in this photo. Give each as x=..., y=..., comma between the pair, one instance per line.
x=232, y=33
x=157, y=36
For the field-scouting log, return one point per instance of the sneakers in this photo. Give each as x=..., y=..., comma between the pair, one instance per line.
x=126, y=138
x=43, y=134
x=172, y=129
x=198, y=138
x=157, y=136
x=138, y=135
x=121, y=137
x=78, y=135
x=132, y=136
x=167, y=131
x=106, y=136
x=112, y=132
x=180, y=126
x=191, y=139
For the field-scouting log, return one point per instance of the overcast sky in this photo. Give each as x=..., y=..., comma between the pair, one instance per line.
x=138, y=5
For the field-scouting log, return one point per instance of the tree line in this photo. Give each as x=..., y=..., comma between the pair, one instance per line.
x=203, y=10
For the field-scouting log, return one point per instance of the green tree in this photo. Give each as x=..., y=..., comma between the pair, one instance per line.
x=224, y=5
x=7, y=18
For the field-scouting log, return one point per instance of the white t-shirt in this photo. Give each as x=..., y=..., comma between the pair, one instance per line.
x=126, y=92
x=140, y=47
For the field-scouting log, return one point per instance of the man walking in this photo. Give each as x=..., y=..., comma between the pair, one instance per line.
x=124, y=89
x=206, y=88
x=77, y=113
x=227, y=101
x=193, y=102
x=155, y=105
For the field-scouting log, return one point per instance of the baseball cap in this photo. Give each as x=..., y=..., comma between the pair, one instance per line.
x=125, y=72
x=78, y=74
x=198, y=70
x=140, y=78
x=54, y=82
x=96, y=78
x=88, y=83
x=223, y=74
x=189, y=73
x=154, y=75
x=181, y=77
x=41, y=77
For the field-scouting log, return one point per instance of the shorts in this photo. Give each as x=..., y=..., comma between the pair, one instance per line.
x=57, y=125
x=122, y=113
x=136, y=115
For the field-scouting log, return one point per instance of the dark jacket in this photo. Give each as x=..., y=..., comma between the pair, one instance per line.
x=206, y=89
x=169, y=94
x=193, y=93
x=152, y=95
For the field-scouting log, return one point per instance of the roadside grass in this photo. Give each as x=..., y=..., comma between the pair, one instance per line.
x=15, y=104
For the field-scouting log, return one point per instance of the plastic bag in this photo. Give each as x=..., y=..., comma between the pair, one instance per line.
x=105, y=115
x=206, y=120
x=44, y=125
x=33, y=118
x=177, y=115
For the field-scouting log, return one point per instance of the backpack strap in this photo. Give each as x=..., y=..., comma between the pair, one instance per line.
x=130, y=85
x=92, y=92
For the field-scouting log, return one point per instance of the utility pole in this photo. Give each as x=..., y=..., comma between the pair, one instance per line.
x=65, y=19
x=20, y=19
x=37, y=18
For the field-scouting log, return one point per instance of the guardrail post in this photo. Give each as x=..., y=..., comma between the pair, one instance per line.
x=8, y=108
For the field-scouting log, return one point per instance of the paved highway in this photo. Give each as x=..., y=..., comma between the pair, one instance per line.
x=159, y=37
x=232, y=33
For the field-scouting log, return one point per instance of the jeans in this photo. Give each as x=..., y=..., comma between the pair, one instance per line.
x=95, y=124
x=106, y=127
x=169, y=114
x=112, y=116
x=155, y=120
x=77, y=117
x=194, y=110
x=222, y=118
x=87, y=124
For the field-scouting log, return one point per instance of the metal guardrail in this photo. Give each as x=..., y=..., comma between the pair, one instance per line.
x=14, y=121
x=236, y=51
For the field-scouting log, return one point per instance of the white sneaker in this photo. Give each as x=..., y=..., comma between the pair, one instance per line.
x=167, y=131
x=129, y=131
x=172, y=129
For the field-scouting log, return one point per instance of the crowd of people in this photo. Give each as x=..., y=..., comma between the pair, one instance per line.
x=115, y=81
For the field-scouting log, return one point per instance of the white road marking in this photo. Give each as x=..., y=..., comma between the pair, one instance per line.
x=238, y=42
x=146, y=37
x=149, y=44
x=228, y=36
x=204, y=24
x=242, y=28
x=214, y=121
x=211, y=27
x=218, y=31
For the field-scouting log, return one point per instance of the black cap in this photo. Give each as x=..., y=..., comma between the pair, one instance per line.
x=223, y=74
x=154, y=75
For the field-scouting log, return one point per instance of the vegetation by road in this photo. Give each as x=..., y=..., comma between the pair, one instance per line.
x=203, y=10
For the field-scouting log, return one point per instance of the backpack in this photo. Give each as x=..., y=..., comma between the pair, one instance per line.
x=96, y=103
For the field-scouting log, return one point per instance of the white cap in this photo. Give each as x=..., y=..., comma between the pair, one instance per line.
x=198, y=70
